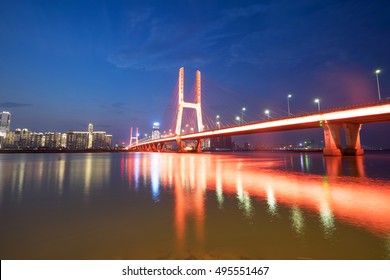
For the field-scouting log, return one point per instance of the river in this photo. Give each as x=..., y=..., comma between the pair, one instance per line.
x=260, y=205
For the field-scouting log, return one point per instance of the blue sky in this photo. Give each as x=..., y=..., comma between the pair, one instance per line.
x=64, y=64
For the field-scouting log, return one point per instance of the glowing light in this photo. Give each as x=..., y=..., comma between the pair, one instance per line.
x=267, y=113
x=271, y=201
x=318, y=103
x=289, y=96
x=297, y=219
x=377, y=71
x=327, y=218
x=155, y=177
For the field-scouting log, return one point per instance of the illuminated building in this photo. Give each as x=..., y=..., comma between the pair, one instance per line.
x=63, y=140
x=90, y=136
x=109, y=140
x=100, y=140
x=5, y=124
x=52, y=140
x=77, y=140
x=73, y=140
x=36, y=139
x=80, y=140
x=156, y=134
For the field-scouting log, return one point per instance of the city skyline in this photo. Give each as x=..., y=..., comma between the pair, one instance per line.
x=116, y=65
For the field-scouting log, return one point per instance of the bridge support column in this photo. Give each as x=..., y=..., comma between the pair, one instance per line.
x=179, y=144
x=332, y=139
x=198, y=147
x=352, y=139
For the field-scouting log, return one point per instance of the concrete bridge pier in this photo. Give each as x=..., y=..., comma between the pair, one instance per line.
x=333, y=145
x=162, y=147
x=198, y=147
x=180, y=144
x=352, y=139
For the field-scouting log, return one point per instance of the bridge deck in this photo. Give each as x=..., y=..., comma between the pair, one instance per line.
x=358, y=114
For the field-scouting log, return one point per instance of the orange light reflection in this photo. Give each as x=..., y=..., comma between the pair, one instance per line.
x=360, y=201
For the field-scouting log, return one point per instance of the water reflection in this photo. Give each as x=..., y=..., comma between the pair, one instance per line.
x=59, y=173
x=297, y=219
x=197, y=202
x=331, y=196
x=155, y=177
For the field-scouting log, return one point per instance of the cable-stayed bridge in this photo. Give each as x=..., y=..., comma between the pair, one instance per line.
x=332, y=121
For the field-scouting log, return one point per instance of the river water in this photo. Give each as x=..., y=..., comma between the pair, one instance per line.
x=263, y=205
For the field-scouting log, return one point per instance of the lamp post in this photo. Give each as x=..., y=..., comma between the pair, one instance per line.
x=242, y=115
x=377, y=72
x=318, y=103
x=238, y=120
x=217, y=121
x=288, y=103
x=267, y=113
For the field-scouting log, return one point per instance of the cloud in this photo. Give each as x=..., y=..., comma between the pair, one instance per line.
x=272, y=34
x=136, y=17
x=118, y=105
x=14, y=104
x=164, y=42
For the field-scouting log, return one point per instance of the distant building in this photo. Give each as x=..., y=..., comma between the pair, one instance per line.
x=52, y=140
x=221, y=143
x=73, y=140
x=37, y=140
x=90, y=136
x=80, y=140
x=5, y=124
x=156, y=134
x=77, y=140
x=99, y=140
x=63, y=140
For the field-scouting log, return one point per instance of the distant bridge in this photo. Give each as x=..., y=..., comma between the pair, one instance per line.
x=331, y=121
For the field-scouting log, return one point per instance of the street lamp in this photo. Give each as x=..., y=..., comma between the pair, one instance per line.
x=377, y=82
x=242, y=115
x=217, y=121
x=238, y=120
x=318, y=102
x=267, y=113
x=288, y=103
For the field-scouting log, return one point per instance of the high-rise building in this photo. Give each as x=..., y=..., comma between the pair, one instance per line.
x=5, y=120
x=36, y=139
x=76, y=140
x=156, y=134
x=52, y=140
x=99, y=140
x=5, y=124
x=90, y=136
x=63, y=140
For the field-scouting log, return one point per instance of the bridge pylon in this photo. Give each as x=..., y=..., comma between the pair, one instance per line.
x=133, y=137
x=182, y=104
